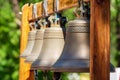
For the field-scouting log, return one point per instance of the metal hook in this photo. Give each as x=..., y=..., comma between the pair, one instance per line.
x=57, y=76
x=42, y=23
x=80, y=11
x=82, y=8
x=32, y=26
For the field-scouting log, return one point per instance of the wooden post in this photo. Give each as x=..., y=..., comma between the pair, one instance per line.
x=100, y=40
x=24, y=73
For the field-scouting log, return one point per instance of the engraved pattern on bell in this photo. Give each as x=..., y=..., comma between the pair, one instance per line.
x=53, y=33
x=78, y=29
x=78, y=25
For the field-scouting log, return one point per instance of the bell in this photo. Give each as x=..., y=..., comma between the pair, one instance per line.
x=38, y=41
x=53, y=44
x=30, y=44
x=75, y=55
x=37, y=46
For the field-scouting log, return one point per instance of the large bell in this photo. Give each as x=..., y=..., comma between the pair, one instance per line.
x=30, y=44
x=75, y=55
x=53, y=43
x=37, y=46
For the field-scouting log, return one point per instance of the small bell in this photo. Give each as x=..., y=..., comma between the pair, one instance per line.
x=31, y=37
x=38, y=43
x=30, y=44
x=75, y=55
x=37, y=47
x=53, y=43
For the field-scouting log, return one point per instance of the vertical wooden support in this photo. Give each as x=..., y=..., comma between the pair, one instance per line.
x=24, y=73
x=100, y=39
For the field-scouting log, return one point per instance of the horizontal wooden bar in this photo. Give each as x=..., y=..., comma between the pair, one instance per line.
x=63, y=5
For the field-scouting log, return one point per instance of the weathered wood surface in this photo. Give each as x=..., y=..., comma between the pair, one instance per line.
x=24, y=72
x=100, y=40
x=63, y=5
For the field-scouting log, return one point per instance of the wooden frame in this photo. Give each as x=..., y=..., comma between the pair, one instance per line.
x=100, y=40
x=99, y=36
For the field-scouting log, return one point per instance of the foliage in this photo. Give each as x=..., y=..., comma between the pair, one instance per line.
x=10, y=33
x=115, y=27
x=22, y=2
x=9, y=43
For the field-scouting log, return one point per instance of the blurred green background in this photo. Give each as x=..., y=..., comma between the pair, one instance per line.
x=10, y=22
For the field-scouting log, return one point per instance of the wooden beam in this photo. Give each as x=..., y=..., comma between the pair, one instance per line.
x=24, y=72
x=100, y=40
x=63, y=5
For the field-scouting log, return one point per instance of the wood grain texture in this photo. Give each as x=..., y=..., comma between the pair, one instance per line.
x=63, y=5
x=100, y=40
x=24, y=72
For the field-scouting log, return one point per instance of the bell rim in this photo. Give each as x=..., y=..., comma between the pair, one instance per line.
x=82, y=65
x=41, y=68
x=29, y=60
x=70, y=69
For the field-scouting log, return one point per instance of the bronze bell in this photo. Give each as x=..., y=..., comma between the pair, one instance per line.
x=53, y=43
x=37, y=46
x=30, y=44
x=75, y=55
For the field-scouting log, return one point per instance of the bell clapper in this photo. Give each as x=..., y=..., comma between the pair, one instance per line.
x=56, y=76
